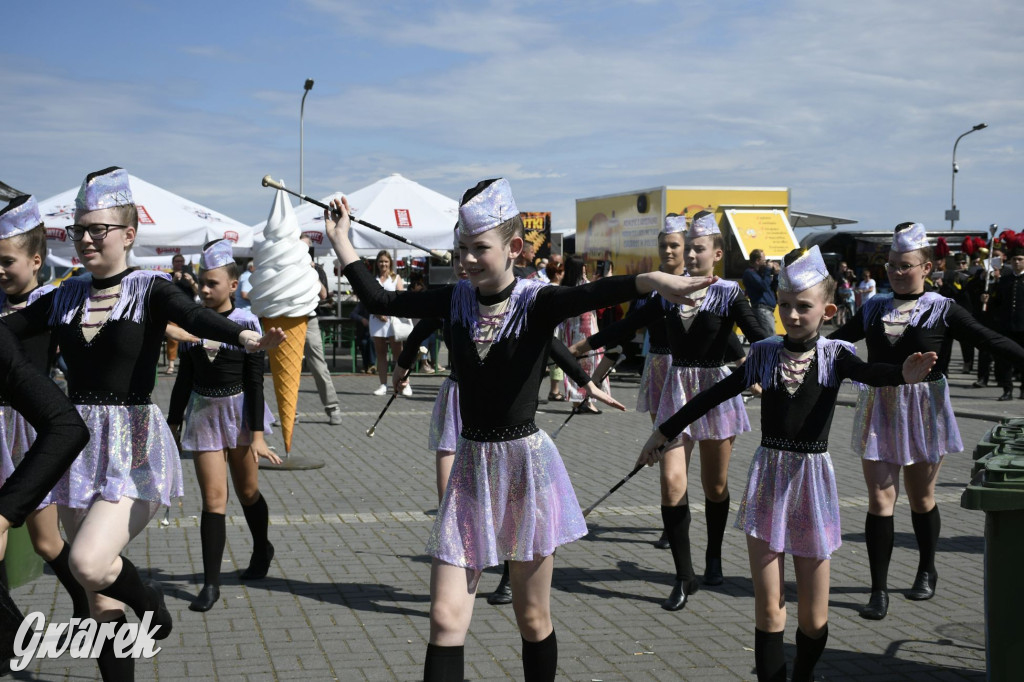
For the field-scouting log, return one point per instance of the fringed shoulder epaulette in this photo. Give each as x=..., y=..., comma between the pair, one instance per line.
x=874, y=308
x=38, y=292
x=131, y=302
x=762, y=359
x=466, y=311
x=929, y=310
x=244, y=317
x=828, y=350
x=720, y=297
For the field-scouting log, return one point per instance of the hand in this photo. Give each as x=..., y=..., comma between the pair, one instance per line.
x=177, y=275
x=4, y=524
x=597, y=394
x=176, y=432
x=676, y=288
x=382, y=318
x=580, y=348
x=176, y=333
x=653, y=450
x=917, y=366
x=400, y=379
x=337, y=229
x=258, y=448
x=254, y=343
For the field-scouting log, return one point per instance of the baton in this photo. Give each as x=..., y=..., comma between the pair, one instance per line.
x=370, y=431
x=615, y=487
x=619, y=357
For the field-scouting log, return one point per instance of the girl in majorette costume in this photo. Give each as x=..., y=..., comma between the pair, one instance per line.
x=60, y=434
x=109, y=325
x=225, y=419
x=698, y=337
x=509, y=496
x=22, y=252
x=791, y=504
x=445, y=422
x=574, y=330
x=909, y=427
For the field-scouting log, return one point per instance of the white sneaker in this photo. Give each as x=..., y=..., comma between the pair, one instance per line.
x=407, y=391
x=382, y=390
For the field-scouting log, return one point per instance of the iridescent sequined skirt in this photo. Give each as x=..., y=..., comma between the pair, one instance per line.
x=445, y=422
x=682, y=384
x=906, y=424
x=16, y=437
x=791, y=502
x=508, y=500
x=131, y=453
x=656, y=368
x=218, y=423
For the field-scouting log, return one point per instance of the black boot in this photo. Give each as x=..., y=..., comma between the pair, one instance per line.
x=141, y=597
x=10, y=620
x=444, y=664
x=211, y=534
x=677, y=527
x=878, y=536
x=926, y=530
x=808, y=651
x=717, y=516
x=540, y=659
x=503, y=592
x=662, y=542
x=1007, y=395
x=60, y=568
x=112, y=668
x=769, y=656
x=257, y=516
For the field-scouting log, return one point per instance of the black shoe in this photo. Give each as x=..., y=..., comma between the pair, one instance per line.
x=207, y=597
x=680, y=591
x=259, y=564
x=161, y=616
x=502, y=593
x=1021, y=395
x=968, y=368
x=713, y=572
x=877, y=606
x=1007, y=395
x=924, y=586
x=980, y=383
x=662, y=542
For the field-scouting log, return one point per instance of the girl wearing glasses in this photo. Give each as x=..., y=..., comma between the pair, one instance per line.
x=109, y=324
x=913, y=426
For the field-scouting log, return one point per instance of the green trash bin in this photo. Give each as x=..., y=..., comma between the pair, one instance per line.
x=998, y=490
x=22, y=563
x=997, y=435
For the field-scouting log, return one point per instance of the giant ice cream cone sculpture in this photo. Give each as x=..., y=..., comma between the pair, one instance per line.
x=285, y=291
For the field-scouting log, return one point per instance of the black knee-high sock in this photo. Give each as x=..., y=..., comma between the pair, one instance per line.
x=211, y=534
x=926, y=530
x=769, y=657
x=60, y=568
x=112, y=668
x=540, y=659
x=717, y=516
x=257, y=516
x=878, y=535
x=444, y=664
x=677, y=527
x=808, y=651
x=129, y=588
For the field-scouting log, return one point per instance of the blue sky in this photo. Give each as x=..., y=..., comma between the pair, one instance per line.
x=854, y=106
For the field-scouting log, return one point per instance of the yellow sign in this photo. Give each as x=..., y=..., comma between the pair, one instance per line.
x=765, y=230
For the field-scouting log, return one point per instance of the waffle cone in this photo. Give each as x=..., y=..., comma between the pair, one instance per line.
x=286, y=369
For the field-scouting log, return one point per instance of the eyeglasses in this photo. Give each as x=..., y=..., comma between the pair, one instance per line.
x=902, y=269
x=96, y=230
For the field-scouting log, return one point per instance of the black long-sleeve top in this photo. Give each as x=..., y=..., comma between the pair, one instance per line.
x=60, y=432
x=118, y=366
x=704, y=344
x=934, y=331
x=424, y=328
x=231, y=371
x=497, y=394
x=798, y=422
x=38, y=349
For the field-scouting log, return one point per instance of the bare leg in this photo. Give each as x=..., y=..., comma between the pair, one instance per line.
x=812, y=584
x=767, y=571
x=531, y=600
x=452, y=593
x=443, y=468
x=380, y=346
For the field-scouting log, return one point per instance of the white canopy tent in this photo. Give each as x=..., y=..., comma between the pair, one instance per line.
x=394, y=203
x=168, y=225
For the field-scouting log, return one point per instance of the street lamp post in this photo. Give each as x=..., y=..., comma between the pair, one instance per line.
x=302, y=112
x=953, y=215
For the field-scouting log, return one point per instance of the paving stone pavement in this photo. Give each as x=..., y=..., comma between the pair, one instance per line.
x=348, y=594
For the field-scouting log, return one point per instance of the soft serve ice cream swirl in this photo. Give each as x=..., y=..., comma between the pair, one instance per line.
x=283, y=283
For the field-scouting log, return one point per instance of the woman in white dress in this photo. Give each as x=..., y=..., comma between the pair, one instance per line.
x=382, y=327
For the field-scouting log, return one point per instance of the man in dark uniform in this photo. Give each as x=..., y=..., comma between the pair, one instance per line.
x=1008, y=299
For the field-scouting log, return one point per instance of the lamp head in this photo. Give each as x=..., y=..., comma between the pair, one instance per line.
x=956, y=168
x=980, y=126
x=309, y=86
